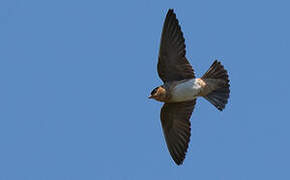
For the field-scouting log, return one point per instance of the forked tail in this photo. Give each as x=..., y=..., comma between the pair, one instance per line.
x=218, y=77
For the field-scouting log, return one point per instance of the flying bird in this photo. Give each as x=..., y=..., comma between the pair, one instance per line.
x=181, y=88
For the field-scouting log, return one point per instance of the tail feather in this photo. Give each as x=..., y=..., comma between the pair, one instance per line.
x=219, y=96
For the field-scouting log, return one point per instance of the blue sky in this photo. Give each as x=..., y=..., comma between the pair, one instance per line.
x=75, y=76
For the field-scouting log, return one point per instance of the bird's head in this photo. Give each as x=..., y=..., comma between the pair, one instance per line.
x=159, y=94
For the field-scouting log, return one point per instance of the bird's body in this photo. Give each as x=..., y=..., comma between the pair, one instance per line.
x=181, y=89
x=186, y=90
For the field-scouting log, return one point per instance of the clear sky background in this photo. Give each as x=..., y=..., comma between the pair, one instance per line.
x=75, y=76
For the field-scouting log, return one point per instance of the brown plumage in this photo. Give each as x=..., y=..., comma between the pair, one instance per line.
x=181, y=88
x=176, y=128
x=172, y=63
x=220, y=92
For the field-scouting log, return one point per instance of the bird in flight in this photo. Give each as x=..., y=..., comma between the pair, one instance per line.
x=181, y=88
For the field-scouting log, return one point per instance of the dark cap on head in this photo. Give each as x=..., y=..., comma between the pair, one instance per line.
x=154, y=91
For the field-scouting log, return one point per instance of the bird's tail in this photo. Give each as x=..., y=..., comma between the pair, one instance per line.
x=217, y=77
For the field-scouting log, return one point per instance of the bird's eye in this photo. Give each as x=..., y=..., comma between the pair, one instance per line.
x=154, y=91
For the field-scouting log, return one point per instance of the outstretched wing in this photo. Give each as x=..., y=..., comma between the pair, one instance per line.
x=172, y=63
x=176, y=128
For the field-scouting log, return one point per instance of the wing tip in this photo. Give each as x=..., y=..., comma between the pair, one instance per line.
x=179, y=162
x=171, y=12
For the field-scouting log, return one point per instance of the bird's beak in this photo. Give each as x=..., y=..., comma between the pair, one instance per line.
x=150, y=97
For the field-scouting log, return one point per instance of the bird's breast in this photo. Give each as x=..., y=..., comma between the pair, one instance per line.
x=186, y=90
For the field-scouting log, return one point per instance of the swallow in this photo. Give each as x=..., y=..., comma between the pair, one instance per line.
x=181, y=88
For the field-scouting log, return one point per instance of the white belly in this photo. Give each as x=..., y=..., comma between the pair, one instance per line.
x=186, y=91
